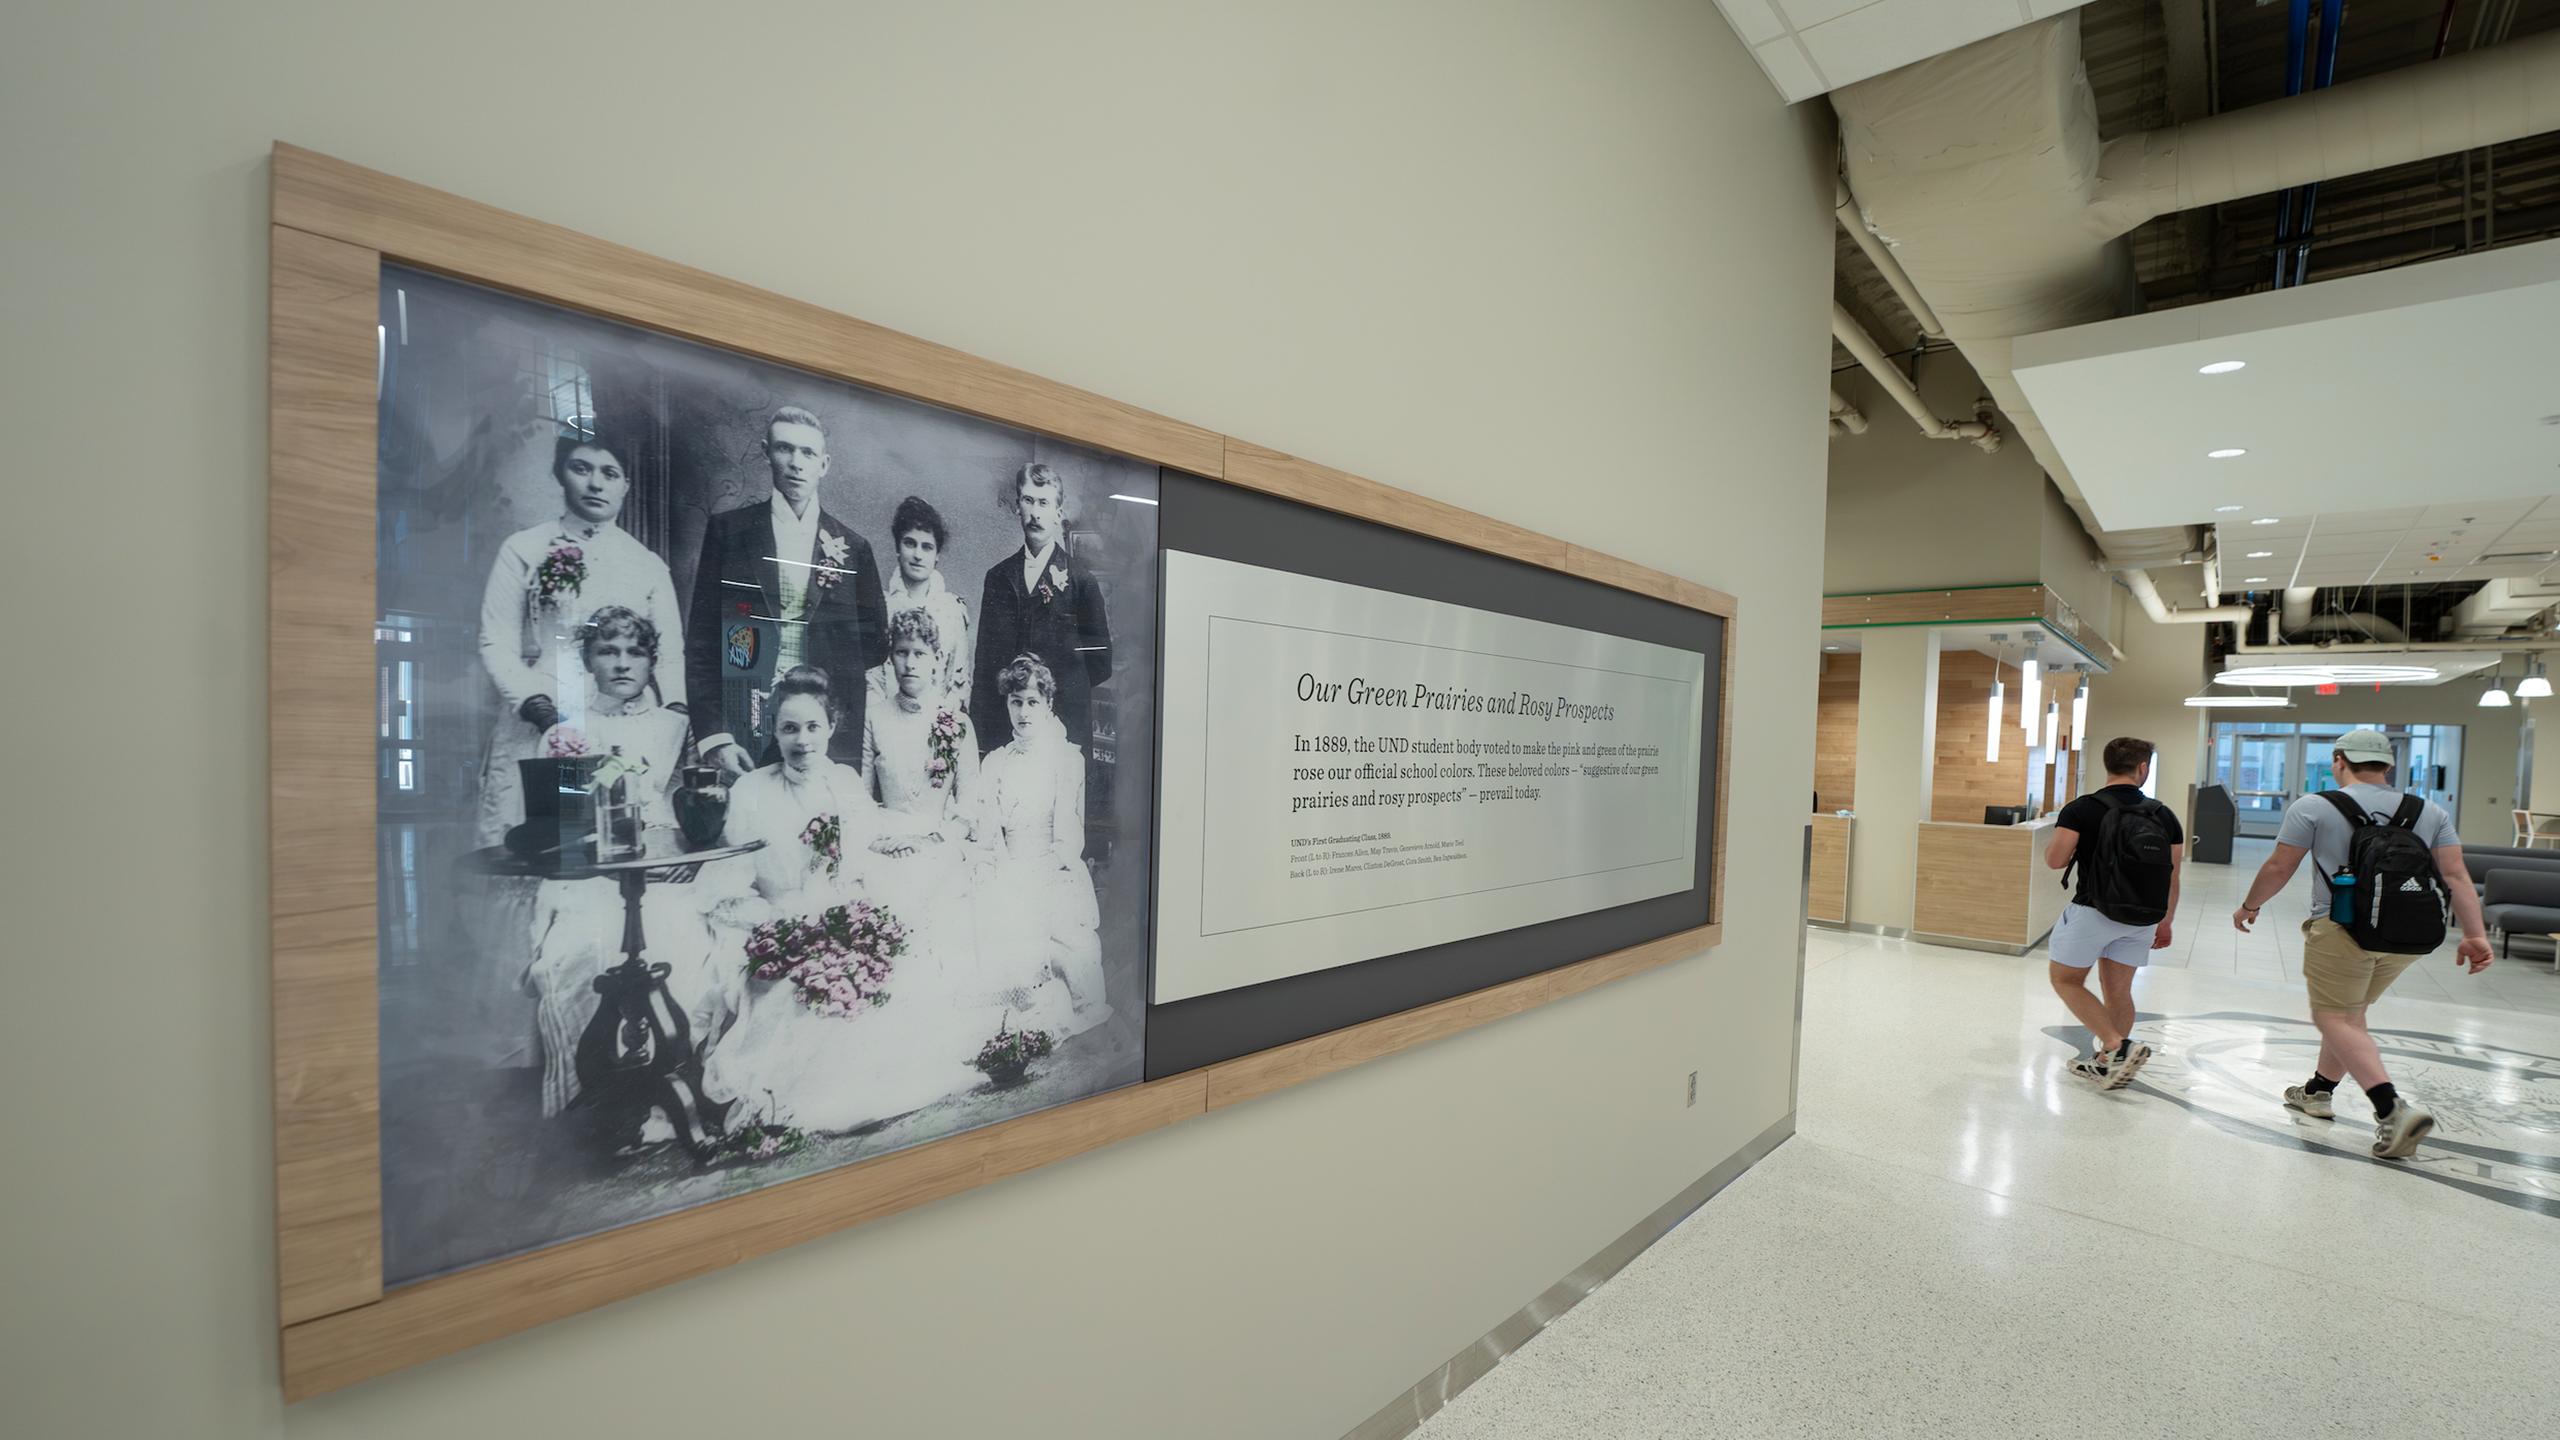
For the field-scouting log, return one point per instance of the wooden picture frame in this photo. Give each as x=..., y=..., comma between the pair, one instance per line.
x=333, y=226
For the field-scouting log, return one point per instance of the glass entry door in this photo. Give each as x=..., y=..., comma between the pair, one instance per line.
x=2267, y=767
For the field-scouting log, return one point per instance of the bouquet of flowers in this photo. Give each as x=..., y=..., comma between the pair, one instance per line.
x=838, y=959
x=561, y=572
x=762, y=1141
x=824, y=836
x=948, y=731
x=1011, y=1050
x=563, y=742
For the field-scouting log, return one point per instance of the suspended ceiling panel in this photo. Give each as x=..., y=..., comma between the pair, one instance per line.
x=2419, y=545
x=1809, y=47
x=2436, y=385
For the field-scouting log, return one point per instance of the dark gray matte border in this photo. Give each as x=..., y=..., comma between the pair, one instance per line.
x=1405, y=1414
x=1207, y=517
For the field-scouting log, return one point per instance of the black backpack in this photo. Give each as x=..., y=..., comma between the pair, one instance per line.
x=2127, y=871
x=2399, y=897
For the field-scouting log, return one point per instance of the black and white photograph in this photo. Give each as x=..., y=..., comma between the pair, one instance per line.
x=765, y=772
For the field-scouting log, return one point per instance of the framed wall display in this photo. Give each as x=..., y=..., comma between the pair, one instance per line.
x=737, y=772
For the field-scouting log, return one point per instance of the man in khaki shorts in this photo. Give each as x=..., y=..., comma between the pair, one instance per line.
x=2343, y=977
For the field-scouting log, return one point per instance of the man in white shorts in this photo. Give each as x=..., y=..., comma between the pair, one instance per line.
x=2085, y=939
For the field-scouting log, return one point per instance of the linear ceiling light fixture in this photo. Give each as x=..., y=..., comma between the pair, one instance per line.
x=2327, y=675
x=2225, y=454
x=2222, y=367
x=2237, y=702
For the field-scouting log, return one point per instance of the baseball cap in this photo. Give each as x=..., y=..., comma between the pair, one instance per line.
x=2365, y=747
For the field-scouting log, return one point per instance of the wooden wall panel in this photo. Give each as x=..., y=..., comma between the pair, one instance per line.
x=1827, y=892
x=323, y=306
x=1933, y=607
x=1835, y=735
x=1961, y=782
x=1973, y=881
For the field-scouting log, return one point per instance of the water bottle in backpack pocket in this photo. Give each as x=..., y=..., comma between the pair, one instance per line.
x=2394, y=901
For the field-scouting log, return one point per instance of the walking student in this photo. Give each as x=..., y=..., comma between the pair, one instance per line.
x=2128, y=847
x=2387, y=863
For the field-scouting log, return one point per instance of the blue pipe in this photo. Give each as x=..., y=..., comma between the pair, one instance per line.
x=2297, y=26
x=2324, y=68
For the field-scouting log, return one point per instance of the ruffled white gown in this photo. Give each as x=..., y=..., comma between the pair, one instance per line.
x=1039, y=927
x=786, y=1063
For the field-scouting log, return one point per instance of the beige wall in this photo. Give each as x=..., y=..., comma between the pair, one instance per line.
x=2067, y=562
x=1517, y=257
x=1908, y=512
x=2145, y=693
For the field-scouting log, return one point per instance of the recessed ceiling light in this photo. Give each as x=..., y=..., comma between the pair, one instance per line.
x=2224, y=509
x=2258, y=554
x=2269, y=520
x=2222, y=367
x=2224, y=454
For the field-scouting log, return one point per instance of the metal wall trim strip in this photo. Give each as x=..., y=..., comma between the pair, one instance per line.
x=1405, y=1414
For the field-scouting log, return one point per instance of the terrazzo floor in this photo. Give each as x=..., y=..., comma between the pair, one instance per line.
x=1964, y=1240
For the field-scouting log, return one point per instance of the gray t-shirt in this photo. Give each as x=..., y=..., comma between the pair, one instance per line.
x=2316, y=826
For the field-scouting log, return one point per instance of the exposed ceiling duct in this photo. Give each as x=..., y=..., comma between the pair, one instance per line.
x=1983, y=171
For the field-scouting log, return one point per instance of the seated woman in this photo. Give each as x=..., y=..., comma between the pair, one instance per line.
x=916, y=584
x=577, y=924
x=1039, y=925
x=808, y=1059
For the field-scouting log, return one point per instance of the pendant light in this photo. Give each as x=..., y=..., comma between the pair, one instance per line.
x=2080, y=716
x=2535, y=685
x=1991, y=746
x=2027, y=689
x=2495, y=697
x=2052, y=724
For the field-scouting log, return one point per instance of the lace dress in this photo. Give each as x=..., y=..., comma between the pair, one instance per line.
x=1039, y=928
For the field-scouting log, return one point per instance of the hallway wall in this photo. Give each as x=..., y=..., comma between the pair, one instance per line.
x=1517, y=256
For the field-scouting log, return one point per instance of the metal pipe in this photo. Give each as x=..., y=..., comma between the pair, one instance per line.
x=1844, y=209
x=1845, y=419
x=1984, y=435
x=2139, y=582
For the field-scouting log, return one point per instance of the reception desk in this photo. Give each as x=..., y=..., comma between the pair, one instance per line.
x=1826, y=898
x=1986, y=887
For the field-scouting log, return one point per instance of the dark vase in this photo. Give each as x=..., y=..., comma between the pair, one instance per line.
x=702, y=806
x=1006, y=1077
x=559, y=804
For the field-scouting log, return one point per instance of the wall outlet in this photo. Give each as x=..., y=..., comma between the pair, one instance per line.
x=1693, y=1087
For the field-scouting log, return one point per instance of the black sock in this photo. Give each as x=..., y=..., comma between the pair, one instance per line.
x=2318, y=1084
x=2125, y=1046
x=2385, y=1099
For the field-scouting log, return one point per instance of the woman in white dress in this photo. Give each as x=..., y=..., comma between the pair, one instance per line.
x=785, y=1062
x=547, y=579
x=1039, y=926
x=916, y=583
x=577, y=924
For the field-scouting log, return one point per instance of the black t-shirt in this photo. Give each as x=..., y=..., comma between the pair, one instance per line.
x=2082, y=816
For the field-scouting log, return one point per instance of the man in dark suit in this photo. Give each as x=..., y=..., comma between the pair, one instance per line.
x=1039, y=602
x=781, y=584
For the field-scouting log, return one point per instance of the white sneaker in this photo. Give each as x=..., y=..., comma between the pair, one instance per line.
x=2124, y=1065
x=2312, y=1103
x=2396, y=1136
